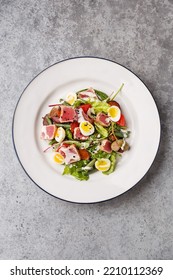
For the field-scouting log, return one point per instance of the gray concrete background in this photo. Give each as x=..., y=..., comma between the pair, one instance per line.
x=36, y=34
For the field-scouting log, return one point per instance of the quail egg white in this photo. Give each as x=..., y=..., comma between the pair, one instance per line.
x=114, y=113
x=86, y=128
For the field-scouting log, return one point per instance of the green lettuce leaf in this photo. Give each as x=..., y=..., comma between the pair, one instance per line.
x=100, y=106
x=75, y=170
x=100, y=154
x=100, y=129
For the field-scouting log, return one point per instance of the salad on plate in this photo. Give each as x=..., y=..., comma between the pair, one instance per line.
x=86, y=132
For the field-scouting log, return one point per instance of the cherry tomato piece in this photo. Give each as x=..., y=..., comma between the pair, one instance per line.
x=85, y=107
x=73, y=125
x=65, y=145
x=122, y=121
x=84, y=154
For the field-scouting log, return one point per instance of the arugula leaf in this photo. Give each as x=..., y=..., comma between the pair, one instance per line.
x=119, y=134
x=101, y=94
x=81, y=90
x=117, y=131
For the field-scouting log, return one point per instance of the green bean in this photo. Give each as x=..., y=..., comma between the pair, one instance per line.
x=69, y=134
x=112, y=97
x=65, y=125
x=53, y=141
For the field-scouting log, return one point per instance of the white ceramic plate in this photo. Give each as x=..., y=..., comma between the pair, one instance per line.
x=72, y=75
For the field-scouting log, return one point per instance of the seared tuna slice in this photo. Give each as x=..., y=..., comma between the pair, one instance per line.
x=88, y=94
x=78, y=135
x=55, y=112
x=106, y=146
x=56, y=119
x=68, y=114
x=69, y=153
x=82, y=116
x=103, y=119
x=48, y=132
x=79, y=115
x=62, y=114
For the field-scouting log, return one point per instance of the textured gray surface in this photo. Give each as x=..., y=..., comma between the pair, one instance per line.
x=138, y=34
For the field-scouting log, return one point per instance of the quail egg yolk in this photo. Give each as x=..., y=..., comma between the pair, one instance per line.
x=114, y=113
x=86, y=128
x=71, y=98
x=58, y=158
x=102, y=164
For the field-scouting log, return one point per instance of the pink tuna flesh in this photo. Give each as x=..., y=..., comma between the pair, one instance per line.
x=90, y=90
x=89, y=93
x=106, y=146
x=48, y=132
x=68, y=114
x=78, y=135
x=103, y=119
x=70, y=154
x=81, y=116
x=56, y=119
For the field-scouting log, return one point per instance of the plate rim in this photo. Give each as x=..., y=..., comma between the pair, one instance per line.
x=61, y=61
